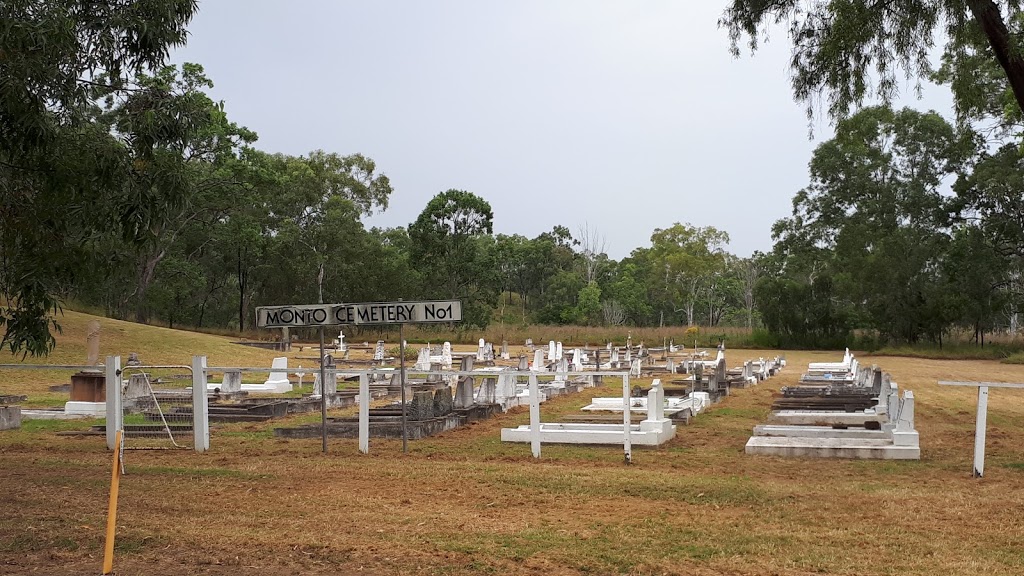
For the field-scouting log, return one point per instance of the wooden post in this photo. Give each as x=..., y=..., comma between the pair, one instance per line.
x=115, y=484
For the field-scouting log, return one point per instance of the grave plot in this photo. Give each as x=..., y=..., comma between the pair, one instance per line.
x=654, y=430
x=687, y=397
x=840, y=410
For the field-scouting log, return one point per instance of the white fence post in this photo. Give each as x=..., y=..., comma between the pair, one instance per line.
x=627, y=420
x=534, y=416
x=200, y=407
x=364, y=413
x=115, y=418
x=979, y=432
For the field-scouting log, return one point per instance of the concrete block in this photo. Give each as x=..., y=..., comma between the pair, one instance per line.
x=10, y=417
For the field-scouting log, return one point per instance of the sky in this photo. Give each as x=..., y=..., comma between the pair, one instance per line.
x=618, y=116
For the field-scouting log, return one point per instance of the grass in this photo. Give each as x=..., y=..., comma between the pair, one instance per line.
x=463, y=502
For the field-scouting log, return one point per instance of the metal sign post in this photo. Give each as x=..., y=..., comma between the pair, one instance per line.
x=323, y=395
x=401, y=368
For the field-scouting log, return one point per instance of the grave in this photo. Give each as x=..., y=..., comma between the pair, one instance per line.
x=857, y=414
x=276, y=383
x=10, y=417
x=675, y=408
x=88, y=387
x=654, y=430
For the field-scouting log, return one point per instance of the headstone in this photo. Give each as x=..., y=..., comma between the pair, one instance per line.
x=279, y=375
x=529, y=344
x=523, y=363
x=670, y=366
x=421, y=407
x=434, y=375
x=138, y=386
x=506, y=388
x=446, y=356
x=423, y=360
x=330, y=375
x=10, y=417
x=232, y=381
x=133, y=359
x=551, y=351
x=443, y=402
x=577, y=360
x=92, y=343
x=378, y=352
x=488, y=391
x=489, y=352
x=466, y=364
x=558, y=350
x=634, y=368
x=609, y=347
x=464, y=392
x=656, y=401
x=563, y=367
x=615, y=357
x=538, y=361
x=481, y=351
x=504, y=350
x=340, y=343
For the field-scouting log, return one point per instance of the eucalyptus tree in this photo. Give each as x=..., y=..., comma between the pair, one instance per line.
x=186, y=151
x=65, y=180
x=685, y=261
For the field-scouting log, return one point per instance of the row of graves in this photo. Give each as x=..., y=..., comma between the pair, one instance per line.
x=840, y=410
x=647, y=416
x=447, y=389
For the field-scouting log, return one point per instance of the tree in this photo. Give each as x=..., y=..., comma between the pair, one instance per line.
x=592, y=246
x=64, y=178
x=870, y=231
x=685, y=259
x=839, y=45
x=447, y=249
x=186, y=152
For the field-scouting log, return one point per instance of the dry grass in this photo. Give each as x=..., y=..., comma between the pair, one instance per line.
x=464, y=503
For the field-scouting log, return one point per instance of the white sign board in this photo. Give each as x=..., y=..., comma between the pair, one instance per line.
x=368, y=313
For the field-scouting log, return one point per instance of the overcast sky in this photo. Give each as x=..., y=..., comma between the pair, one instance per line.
x=626, y=116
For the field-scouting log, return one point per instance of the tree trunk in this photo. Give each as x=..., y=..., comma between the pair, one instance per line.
x=242, y=274
x=986, y=13
x=145, y=279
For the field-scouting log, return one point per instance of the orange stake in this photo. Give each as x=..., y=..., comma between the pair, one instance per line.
x=115, y=481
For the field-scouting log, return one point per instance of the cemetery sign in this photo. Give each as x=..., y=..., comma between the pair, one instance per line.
x=366, y=313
